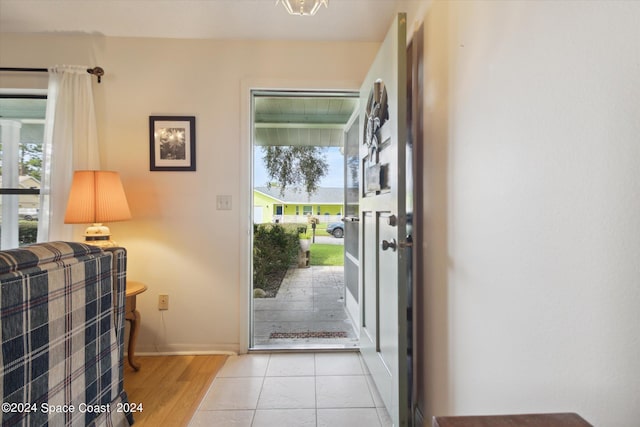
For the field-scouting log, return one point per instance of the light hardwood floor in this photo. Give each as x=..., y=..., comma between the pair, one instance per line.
x=169, y=387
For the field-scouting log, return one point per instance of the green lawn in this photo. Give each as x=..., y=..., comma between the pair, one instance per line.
x=319, y=232
x=322, y=254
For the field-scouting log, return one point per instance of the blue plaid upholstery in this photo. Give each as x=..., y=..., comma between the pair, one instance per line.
x=62, y=320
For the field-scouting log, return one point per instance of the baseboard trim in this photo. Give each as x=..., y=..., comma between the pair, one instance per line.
x=187, y=350
x=185, y=353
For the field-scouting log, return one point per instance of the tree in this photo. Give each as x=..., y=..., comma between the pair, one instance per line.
x=295, y=166
x=31, y=160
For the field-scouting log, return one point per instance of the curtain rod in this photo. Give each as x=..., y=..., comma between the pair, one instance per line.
x=96, y=71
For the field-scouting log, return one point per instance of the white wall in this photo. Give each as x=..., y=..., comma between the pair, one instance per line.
x=532, y=212
x=532, y=209
x=178, y=243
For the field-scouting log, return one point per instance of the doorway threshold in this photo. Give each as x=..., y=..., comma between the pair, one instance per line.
x=315, y=347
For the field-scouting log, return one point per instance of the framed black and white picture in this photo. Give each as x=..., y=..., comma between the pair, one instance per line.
x=172, y=143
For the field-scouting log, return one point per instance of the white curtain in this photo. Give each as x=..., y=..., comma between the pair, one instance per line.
x=70, y=143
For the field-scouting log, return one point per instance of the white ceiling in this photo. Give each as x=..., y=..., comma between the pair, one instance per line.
x=357, y=20
x=279, y=121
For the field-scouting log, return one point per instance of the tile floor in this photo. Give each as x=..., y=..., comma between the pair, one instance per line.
x=290, y=390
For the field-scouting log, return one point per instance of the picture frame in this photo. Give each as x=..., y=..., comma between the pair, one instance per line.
x=172, y=143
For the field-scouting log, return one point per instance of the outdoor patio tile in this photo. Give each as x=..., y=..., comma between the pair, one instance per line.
x=314, y=326
x=326, y=301
x=264, y=329
x=299, y=274
x=272, y=304
x=327, y=279
x=334, y=294
x=338, y=290
x=309, y=300
x=300, y=315
x=328, y=288
x=334, y=315
x=296, y=284
x=298, y=299
x=301, y=294
x=295, y=280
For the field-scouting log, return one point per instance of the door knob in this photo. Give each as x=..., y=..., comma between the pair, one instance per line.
x=389, y=245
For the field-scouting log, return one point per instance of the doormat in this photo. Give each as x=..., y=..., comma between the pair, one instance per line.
x=339, y=334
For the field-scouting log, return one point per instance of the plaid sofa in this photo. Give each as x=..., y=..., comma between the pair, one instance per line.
x=62, y=321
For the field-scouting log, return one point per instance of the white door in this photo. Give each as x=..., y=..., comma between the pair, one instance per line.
x=383, y=256
x=352, y=216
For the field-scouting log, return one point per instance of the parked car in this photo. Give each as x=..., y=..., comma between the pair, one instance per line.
x=28, y=214
x=336, y=229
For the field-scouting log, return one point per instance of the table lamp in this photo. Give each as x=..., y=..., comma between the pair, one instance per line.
x=97, y=197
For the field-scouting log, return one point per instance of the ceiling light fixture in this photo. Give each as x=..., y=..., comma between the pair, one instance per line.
x=303, y=7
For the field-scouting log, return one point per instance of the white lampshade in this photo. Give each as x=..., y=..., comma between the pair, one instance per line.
x=96, y=197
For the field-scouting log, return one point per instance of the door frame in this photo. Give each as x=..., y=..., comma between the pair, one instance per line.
x=246, y=180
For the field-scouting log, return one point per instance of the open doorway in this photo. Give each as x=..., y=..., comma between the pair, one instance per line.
x=301, y=298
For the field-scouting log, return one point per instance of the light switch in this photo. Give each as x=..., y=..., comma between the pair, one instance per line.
x=223, y=203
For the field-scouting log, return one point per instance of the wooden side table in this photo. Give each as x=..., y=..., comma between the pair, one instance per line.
x=133, y=316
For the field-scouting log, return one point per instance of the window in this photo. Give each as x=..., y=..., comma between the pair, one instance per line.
x=307, y=210
x=21, y=135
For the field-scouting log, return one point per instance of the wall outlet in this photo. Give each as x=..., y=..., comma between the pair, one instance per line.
x=163, y=302
x=223, y=203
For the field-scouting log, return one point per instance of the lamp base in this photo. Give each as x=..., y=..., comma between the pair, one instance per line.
x=101, y=243
x=99, y=235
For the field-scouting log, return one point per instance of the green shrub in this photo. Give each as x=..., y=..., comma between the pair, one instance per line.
x=295, y=228
x=27, y=232
x=274, y=250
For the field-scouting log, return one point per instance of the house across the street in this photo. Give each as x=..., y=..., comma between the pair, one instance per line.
x=28, y=204
x=295, y=206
